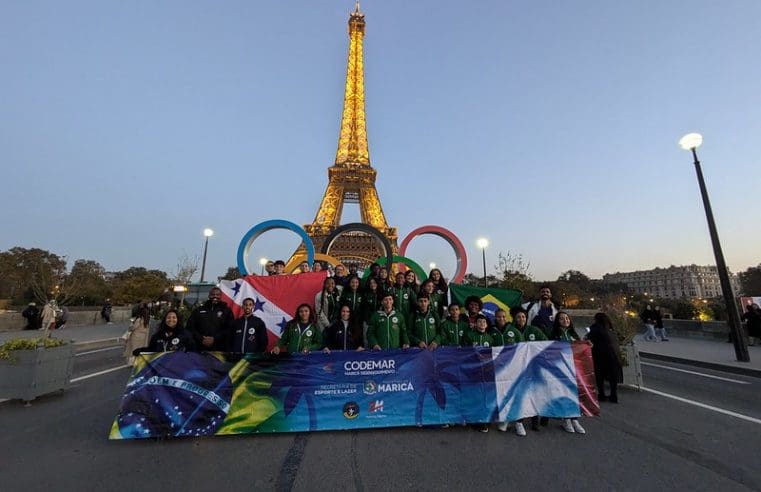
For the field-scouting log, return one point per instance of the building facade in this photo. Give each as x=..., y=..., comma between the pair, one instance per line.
x=674, y=282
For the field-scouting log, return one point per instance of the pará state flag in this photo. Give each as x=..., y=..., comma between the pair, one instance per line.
x=492, y=298
x=275, y=297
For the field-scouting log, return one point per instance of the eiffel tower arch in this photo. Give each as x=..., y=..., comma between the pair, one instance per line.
x=351, y=179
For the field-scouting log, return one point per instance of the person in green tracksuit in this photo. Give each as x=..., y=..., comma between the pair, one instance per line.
x=479, y=337
x=404, y=298
x=503, y=332
x=435, y=300
x=425, y=324
x=528, y=333
x=352, y=296
x=453, y=329
x=301, y=334
x=386, y=328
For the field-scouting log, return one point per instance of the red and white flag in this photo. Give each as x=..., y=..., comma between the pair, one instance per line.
x=275, y=297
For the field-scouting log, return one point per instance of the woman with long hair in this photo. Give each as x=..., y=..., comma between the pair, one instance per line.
x=442, y=289
x=563, y=330
x=342, y=334
x=170, y=335
x=605, y=356
x=326, y=303
x=301, y=334
x=138, y=333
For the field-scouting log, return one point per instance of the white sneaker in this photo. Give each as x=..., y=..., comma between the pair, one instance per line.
x=519, y=429
x=567, y=426
x=577, y=427
x=502, y=426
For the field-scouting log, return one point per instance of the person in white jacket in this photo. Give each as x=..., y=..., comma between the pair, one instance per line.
x=542, y=313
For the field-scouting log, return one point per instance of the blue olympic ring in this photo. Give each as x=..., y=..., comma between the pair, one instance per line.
x=261, y=228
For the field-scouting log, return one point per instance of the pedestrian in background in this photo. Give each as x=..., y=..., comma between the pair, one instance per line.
x=752, y=319
x=648, y=319
x=138, y=335
x=658, y=316
x=48, y=317
x=105, y=311
x=32, y=316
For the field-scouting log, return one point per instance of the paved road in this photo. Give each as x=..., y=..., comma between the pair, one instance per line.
x=648, y=441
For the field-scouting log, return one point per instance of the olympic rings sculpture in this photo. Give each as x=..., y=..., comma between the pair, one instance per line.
x=261, y=228
x=248, y=239
x=448, y=236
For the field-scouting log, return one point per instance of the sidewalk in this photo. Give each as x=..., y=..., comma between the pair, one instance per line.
x=78, y=334
x=703, y=353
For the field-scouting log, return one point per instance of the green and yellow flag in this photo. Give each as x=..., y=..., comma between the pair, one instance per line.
x=491, y=297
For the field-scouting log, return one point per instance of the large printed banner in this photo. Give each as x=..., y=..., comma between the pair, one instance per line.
x=201, y=394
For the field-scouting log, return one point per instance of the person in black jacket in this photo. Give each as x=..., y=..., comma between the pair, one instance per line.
x=247, y=333
x=605, y=352
x=32, y=316
x=170, y=336
x=209, y=323
x=343, y=333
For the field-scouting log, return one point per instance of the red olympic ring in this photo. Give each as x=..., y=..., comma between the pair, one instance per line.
x=448, y=236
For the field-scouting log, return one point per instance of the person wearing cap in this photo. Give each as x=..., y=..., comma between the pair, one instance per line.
x=387, y=329
x=32, y=316
x=247, y=333
x=279, y=267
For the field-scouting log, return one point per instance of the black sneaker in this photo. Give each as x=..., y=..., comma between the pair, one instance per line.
x=484, y=428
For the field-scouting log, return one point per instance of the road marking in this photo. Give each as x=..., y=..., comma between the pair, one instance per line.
x=736, y=381
x=99, y=350
x=88, y=376
x=703, y=405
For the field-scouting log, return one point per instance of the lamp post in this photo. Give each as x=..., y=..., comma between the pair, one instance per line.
x=483, y=243
x=432, y=265
x=262, y=262
x=207, y=234
x=691, y=142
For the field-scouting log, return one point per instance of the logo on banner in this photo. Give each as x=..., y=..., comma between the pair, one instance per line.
x=376, y=406
x=370, y=388
x=351, y=410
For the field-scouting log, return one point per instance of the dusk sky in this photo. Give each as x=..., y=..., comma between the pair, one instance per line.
x=549, y=128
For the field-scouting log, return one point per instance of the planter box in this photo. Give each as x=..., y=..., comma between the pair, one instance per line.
x=633, y=371
x=32, y=373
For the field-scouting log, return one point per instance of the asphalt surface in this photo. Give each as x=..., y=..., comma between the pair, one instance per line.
x=647, y=441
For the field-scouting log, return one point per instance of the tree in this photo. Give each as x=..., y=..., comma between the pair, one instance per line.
x=89, y=277
x=137, y=283
x=514, y=270
x=31, y=274
x=750, y=281
x=186, y=268
x=232, y=274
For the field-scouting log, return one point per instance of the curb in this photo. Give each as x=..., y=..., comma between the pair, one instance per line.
x=745, y=371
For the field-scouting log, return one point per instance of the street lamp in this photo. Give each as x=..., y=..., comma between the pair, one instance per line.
x=690, y=142
x=207, y=234
x=262, y=262
x=483, y=243
x=432, y=265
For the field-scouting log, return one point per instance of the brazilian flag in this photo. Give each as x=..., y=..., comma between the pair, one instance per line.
x=492, y=298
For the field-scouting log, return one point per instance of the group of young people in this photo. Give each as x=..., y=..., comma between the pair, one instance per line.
x=350, y=313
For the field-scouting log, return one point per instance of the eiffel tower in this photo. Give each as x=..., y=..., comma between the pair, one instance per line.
x=351, y=179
